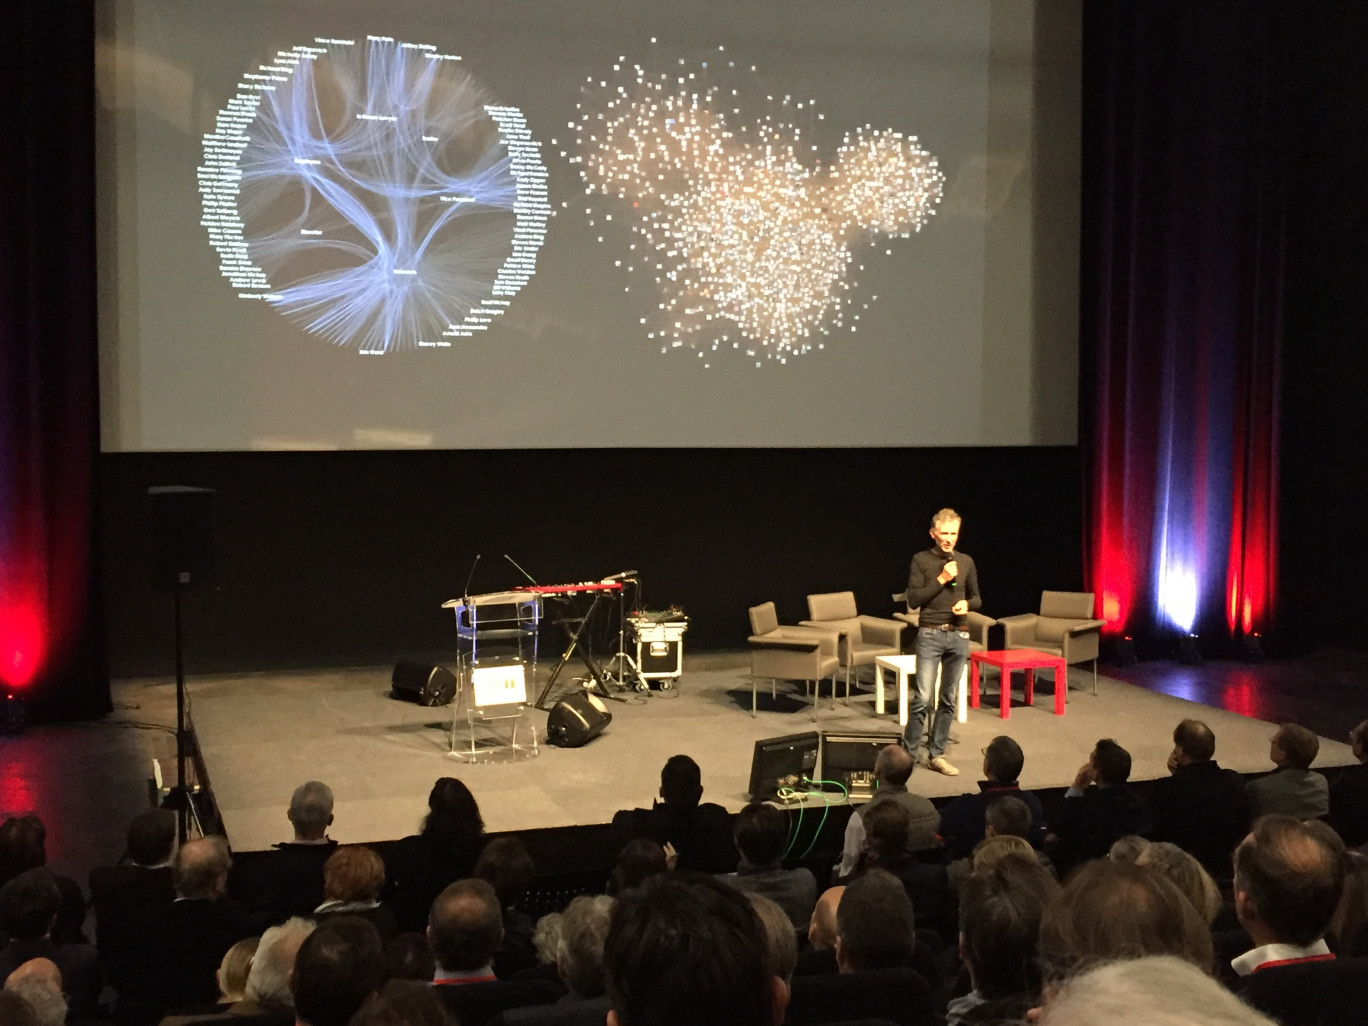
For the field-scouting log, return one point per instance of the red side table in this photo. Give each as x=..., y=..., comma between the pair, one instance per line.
x=1028, y=659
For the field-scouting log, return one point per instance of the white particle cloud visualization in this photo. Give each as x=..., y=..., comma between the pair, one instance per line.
x=745, y=238
x=370, y=191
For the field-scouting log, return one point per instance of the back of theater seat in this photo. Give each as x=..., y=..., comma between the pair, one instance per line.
x=1333, y=993
x=902, y=996
x=475, y=1004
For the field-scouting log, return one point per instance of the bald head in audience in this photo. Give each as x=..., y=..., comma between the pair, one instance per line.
x=201, y=869
x=822, y=929
x=39, y=982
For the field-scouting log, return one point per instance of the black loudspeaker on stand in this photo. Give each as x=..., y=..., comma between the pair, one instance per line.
x=422, y=683
x=576, y=720
x=180, y=528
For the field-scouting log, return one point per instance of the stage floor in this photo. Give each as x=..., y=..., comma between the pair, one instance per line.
x=263, y=734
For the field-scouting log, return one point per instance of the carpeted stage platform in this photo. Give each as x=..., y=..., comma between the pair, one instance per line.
x=263, y=734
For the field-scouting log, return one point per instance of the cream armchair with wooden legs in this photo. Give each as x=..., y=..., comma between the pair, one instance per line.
x=783, y=652
x=863, y=638
x=1064, y=626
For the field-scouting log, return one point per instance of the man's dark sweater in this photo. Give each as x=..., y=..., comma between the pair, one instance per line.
x=935, y=600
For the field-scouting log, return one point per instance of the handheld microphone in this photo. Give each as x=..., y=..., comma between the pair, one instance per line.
x=954, y=581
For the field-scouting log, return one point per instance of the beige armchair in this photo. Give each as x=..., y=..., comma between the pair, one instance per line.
x=785, y=652
x=976, y=623
x=1064, y=626
x=863, y=638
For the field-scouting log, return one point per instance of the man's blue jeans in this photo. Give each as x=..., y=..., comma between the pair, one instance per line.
x=948, y=651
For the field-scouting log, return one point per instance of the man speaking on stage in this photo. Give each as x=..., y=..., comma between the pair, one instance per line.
x=944, y=586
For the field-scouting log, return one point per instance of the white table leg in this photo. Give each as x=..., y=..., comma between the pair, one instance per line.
x=878, y=689
x=903, y=675
x=962, y=705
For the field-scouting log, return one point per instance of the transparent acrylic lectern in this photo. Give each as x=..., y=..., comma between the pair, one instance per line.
x=496, y=654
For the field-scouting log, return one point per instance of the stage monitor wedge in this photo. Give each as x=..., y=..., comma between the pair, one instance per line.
x=783, y=764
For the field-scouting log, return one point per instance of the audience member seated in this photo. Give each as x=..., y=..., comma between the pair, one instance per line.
x=353, y=877
x=1005, y=817
x=1349, y=793
x=582, y=930
x=927, y=884
x=465, y=929
x=1125, y=850
x=1185, y=873
x=1348, y=934
x=290, y=882
x=1099, y=808
x=1108, y=911
x=781, y=941
x=29, y=905
x=402, y=1002
x=444, y=851
x=962, y=820
x=760, y=832
x=266, y=996
x=506, y=865
x=188, y=939
x=700, y=833
x=1294, y=788
x=638, y=860
x=1289, y=877
x=1200, y=807
x=1146, y=992
x=819, y=956
x=39, y=982
x=687, y=950
x=1000, y=913
x=892, y=769
x=23, y=846
x=875, y=943
x=337, y=967
x=123, y=895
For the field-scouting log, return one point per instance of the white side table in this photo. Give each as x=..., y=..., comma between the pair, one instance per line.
x=905, y=667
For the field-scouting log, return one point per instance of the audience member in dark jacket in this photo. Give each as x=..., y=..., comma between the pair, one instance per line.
x=1349, y=793
x=443, y=852
x=700, y=833
x=290, y=881
x=1200, y=807
x=962, y=820
x=1098, y=809
x=23, y=846
x=189, y=938
x=29, y=905
x=926, y=884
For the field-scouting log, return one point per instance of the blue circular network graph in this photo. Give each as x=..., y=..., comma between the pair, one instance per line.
x=371, y=192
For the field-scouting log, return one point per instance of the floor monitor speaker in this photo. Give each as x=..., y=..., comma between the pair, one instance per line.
x=422, y=683
x=576, y=720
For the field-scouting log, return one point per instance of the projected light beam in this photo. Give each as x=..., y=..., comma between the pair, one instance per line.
x=746, y=245
x=372, y=195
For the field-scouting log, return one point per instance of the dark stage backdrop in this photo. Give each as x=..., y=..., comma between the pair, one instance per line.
x=345, y=558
